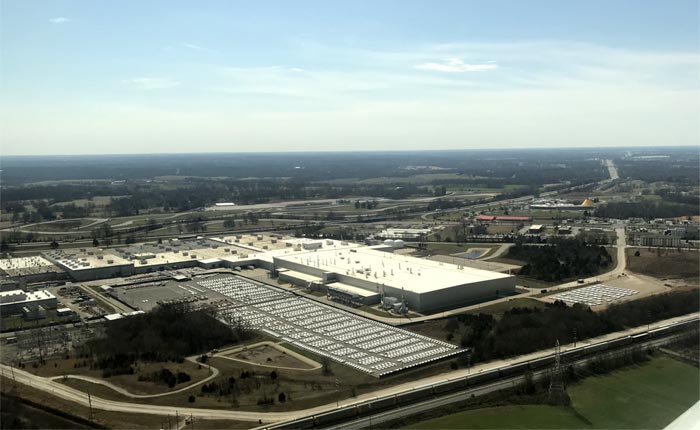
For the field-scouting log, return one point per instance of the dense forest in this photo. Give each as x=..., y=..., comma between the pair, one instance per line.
x=560, y=258
x=168, y=333
x=646, y=209
x=524, y=330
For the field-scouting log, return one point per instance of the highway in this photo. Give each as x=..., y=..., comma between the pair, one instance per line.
x=51, y=386
x=612, y=170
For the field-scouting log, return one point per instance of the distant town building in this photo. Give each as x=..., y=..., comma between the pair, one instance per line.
x=502, y=218
x=557, y=204
x=535, y=229
x=403, y=233
x=564, y=230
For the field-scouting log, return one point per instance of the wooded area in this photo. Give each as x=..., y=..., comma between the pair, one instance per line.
x=168, y=333
x=524, y=330
x=560, y=258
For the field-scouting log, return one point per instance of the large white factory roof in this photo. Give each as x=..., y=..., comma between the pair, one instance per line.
x=16, y=296
x=398, y=271
x=23, y=262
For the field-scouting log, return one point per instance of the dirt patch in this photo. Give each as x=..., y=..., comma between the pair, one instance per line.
x=268, y=354
x=665, y=263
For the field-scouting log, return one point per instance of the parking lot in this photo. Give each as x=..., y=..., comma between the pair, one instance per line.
x=148, y=295
x=594, y=295
x=366, y=345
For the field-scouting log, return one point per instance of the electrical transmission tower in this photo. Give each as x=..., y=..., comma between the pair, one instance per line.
x=556, y=382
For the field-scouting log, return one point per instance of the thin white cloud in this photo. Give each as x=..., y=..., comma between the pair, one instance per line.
x=59, y=20
x=194, y=47
x=151, y=83
x=457, y=65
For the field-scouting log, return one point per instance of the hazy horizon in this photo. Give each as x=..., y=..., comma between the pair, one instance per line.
x=89, y=78
x=660, y=148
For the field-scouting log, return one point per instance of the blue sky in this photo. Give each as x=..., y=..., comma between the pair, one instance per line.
x=175, y=76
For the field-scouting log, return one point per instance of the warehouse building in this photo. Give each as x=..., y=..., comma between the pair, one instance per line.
x=425, y=285
x=18, y=301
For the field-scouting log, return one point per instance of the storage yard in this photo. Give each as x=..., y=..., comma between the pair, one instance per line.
x=594, y=295
x=366, y=345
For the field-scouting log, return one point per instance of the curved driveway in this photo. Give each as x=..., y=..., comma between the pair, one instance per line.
x=124, y=392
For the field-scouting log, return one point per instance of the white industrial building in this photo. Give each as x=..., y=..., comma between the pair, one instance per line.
x=350, y=272
x=404, y=233
x=425, y=285
x=15, y=301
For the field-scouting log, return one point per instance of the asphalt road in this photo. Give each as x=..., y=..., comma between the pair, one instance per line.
x=124, y=392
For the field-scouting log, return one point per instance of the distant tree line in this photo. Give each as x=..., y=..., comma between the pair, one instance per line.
x=543, y=164
x=203, y=180
x=685, y=197
x=646, y=209
x=677, y=169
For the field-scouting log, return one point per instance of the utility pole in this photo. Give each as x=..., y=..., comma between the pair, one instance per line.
x=14, y=381
x=90, y=403
x=575, y=339
x=556, y=385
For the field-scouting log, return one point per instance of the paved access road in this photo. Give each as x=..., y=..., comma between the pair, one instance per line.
x=124, y=392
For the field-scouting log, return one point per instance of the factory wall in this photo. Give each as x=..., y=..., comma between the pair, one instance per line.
x=464, y=295
x=90, y=274
x=16, y=308
x=40, y=277
x=298, y=267
x=166, y=266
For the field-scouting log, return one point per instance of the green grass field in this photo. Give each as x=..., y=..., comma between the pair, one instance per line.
x=508, y=417
x=649, y=396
